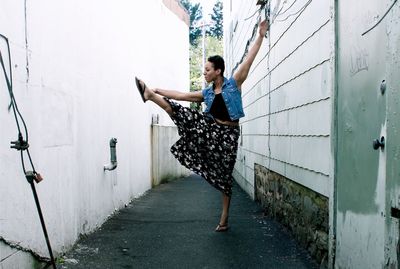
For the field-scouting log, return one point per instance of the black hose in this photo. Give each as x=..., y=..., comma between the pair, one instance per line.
x=23, y=145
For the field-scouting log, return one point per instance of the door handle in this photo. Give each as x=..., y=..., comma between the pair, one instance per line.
x=379, y=143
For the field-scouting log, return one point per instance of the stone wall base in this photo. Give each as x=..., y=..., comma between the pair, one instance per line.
x=304, y=212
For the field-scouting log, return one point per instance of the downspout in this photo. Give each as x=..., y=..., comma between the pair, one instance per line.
x=334, y=143
x=113, y=155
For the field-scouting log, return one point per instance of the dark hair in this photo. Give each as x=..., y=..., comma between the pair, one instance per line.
x=218, y=63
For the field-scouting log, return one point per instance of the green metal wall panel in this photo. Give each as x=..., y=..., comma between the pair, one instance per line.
x=367, y=179
x=393, y=138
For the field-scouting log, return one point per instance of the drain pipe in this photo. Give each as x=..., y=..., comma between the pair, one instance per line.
x=113, y=159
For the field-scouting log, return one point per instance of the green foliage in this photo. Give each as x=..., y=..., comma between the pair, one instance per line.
x=195, y=67
x=195, y=14
x=217, y=30
x=213, y=46
x=213, y=42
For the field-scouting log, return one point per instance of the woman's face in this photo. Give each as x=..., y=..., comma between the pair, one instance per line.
x=210, y=74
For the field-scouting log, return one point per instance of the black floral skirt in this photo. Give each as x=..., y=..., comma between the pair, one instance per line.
x=205, y=147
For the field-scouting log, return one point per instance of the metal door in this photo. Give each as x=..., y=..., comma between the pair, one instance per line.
x=367, y=139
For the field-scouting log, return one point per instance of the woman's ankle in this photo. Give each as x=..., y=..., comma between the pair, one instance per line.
x=224, y=219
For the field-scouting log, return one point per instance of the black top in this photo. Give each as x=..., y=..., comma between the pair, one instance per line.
x=218, y=109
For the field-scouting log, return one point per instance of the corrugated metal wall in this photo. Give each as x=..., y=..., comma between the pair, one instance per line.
x=287, y=96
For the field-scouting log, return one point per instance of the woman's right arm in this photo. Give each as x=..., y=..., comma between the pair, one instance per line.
x=196, y=96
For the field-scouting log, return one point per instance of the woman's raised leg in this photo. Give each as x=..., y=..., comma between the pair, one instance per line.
x=150, y=95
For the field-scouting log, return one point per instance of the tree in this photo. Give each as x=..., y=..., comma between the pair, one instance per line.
x=213, y=42
x=217, y=30
x=214, y=47
x=195, y=14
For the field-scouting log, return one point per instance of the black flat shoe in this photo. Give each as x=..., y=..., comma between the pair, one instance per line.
x=141, y=88
x=222, y=228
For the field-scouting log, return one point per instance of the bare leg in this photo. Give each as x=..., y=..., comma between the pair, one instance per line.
x=149, y=94
x=223, y=222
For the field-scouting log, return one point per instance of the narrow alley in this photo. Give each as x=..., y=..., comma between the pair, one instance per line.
x=172, y=227
x=103, y=102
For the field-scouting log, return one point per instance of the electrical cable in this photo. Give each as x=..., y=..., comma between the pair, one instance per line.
x=258, y=10
x=279, y=13
x=297, y=12
x=13, y=103
x=269, y=102
x=254, y=31
x=266, y=8
x=23, y=145
x=381, y=19
x=248, y=42
x=9, y=86
x=280, y=37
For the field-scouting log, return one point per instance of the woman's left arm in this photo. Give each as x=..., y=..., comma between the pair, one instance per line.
x=196, y=96
x=243, y=71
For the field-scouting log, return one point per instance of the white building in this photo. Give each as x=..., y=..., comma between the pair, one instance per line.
x=73, y=66
x=324, y=86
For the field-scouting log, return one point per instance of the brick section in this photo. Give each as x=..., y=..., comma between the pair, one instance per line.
x=304, y=212
x=179, y=11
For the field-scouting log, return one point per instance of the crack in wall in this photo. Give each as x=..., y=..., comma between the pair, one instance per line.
x=19, y=248
x=26, y=44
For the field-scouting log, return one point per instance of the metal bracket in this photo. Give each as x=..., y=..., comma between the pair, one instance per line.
x=383, y=87
x=261, y=2
x=19, y=145
x=33, y=176
x=376, y=144
x=113, y=158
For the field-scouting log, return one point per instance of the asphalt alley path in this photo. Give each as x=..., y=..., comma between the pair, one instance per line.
x=172, y=226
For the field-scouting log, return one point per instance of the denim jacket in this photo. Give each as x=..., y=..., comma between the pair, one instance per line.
x=231, y=95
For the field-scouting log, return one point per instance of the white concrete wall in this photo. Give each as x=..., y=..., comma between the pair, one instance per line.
x=287, y=95
x=73, y=65
x=14, y=258
x=164, y=165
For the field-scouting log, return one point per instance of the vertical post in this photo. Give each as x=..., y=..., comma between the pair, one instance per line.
x=46, y=236
x=203, y=24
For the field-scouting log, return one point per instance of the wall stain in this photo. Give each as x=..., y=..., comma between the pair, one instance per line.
x=358, y=60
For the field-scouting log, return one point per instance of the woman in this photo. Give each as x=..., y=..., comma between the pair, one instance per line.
x=208, y=141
